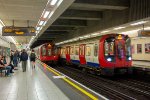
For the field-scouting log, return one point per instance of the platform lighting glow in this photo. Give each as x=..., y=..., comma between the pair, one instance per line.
x=41, y=22
x=118, y=28
x=46, y=14
x=53, y=2
x=105, y=31
x=138, y=23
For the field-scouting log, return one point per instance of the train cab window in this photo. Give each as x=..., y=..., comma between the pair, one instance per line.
x=43, y=51
x=95, y=50
x=49, y=52
x=88, y=51
x=76, y=50
x=71, y=50
x=109, y=47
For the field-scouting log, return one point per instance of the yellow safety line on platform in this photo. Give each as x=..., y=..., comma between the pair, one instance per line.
x=71, y=83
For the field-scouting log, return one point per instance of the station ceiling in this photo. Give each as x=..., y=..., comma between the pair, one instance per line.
x=80, y=14
x=79, y=18
x=21, y=11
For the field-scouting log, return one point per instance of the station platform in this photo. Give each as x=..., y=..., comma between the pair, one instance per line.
x=39, y=84
x=142, y=65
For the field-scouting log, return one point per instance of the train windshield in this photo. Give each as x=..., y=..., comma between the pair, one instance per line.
x=109, y=47
x=49, y=52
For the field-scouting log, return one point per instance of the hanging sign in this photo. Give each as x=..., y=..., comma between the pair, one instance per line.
x=144, y=33
x=18, y=31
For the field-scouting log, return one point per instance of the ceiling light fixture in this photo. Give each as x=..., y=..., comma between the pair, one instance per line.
x=118, y=28
x=138, y=23
x=105, y=31
x=41, y=22
x=53, y=2
x=46, y=14
x=38, y=28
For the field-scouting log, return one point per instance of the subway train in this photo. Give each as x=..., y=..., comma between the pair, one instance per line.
x=47, y=53
x=107, y=55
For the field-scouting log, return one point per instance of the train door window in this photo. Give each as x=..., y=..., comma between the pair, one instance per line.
x=128, y=47
x=96, y=50
x=71, y=50
x=43, y=51
x=88, y=50
x=77, y=50
x=49, y=52
x=82, y=50
x=109, y=47
x=68, y=50
x=139, y=48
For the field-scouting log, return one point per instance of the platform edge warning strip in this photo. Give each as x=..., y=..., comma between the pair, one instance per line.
x=71, y=83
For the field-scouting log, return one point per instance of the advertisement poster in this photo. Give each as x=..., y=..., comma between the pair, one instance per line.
x=147, y=48
x=139, y=48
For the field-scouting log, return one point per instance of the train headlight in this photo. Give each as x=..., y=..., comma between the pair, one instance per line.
x=129, y=58
x=109, y=59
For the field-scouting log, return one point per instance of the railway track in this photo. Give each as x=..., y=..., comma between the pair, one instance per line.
x=111, y=89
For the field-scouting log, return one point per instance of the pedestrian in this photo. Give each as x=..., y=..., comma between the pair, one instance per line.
x=11, y=56
x=24, y=58
x=32, y=58
x=15, y=60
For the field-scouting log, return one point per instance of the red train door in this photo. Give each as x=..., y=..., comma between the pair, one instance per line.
x=120, y=53
x=68, y=54
x=82, y=54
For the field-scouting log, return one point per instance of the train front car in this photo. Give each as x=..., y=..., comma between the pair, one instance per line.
x=115, y=54
x=48, y=54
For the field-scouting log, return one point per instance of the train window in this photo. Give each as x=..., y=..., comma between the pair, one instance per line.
x=49, y=52
x=88, y=51
x=109, y=47
x=77, y=50
x=43, y=51
x=95, y=50
x=71, y=50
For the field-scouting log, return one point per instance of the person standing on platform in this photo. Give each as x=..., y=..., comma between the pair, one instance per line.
x=32, y=58
x=11, y=56
x=15, y=59
x=24, y=58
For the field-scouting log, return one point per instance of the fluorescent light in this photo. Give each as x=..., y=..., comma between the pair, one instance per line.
x=138, y=23
x=2, y=23
x=46, y=14
x=53, y=2
x=94, y=34
x=86, y=36
x=38, y=28
x=118, y=28
x=105, y=31
x=41, y=22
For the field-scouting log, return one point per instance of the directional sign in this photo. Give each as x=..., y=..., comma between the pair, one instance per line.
x=18, y=31
x=144, y=33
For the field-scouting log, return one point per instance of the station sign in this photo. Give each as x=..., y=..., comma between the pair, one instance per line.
x=144, y=33
x=18, y=31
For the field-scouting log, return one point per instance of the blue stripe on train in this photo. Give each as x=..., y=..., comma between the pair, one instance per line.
x=75, y=61
x=91, y=64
